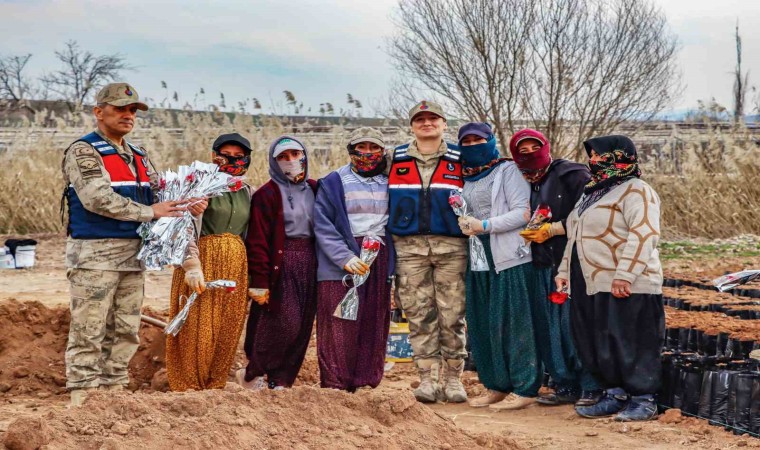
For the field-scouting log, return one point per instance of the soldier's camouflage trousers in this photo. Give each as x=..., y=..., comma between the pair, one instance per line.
x=431, y=293
x=105, y=320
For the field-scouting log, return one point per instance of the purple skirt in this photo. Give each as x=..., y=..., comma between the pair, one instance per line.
x=352, y=353
x=276, y=341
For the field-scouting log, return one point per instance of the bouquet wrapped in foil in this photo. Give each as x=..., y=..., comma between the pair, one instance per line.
x=179, y=320
x=348, y=308
x=165, y=240
x=732, y=280
x=478, y=261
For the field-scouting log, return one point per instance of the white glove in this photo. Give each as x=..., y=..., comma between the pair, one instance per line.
x=260, y=296
x=356, y=266
x=470, y=226
x=194, y=275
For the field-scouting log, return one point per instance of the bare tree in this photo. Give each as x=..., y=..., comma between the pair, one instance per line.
x=82, y=74
x=572, y=68
x=741, y=80
x=468, y=53
x=15, y=86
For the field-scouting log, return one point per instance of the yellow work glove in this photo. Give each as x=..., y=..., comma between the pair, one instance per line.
x=543, y=233
x=260, y=296
x=194, y=275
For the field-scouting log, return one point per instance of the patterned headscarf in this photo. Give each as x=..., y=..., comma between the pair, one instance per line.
x=618, y=163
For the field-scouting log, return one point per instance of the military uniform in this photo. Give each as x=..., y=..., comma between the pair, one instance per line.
x=106, y=279
x=430, y=275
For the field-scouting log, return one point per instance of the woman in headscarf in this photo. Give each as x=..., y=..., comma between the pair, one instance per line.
x=352, y=203
x=558, y=184
x=282, y=265
x=499, y=299
x=615, y=279
x=201, y=355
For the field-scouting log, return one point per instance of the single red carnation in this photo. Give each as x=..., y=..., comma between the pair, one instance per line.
x=558, y=297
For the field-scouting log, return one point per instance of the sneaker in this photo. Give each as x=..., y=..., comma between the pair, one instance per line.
x=613, y=401
x=560, y=396
x=641, y=407
x=254, y=385
x=278, y=388
x=489, y=398
x=589, y=398
x=512, y=402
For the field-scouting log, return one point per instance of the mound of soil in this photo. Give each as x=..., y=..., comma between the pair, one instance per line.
x=299, y=418
x=33, y=343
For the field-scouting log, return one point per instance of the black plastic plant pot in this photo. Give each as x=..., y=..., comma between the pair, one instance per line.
x=709, y=378
x=671, y=338
x=746, y=346
x=683, y=339
x=693, y=339
x=734, y=349
x=719, y=399
x=699, y=333
x=709, y=344
x=691, y=385
x=722, y=343
x=740, y=401
x=755, y=407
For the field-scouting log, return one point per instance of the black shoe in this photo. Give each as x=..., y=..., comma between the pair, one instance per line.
x=561, y=396
x=590, y=398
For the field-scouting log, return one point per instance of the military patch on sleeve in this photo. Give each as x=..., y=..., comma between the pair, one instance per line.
x=89, y=168
x=84, y=150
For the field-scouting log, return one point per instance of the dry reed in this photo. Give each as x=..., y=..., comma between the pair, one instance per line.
x=716, y=193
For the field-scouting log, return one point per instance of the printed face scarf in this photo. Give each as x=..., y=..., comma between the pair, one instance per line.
x=233, y=165
x=478, y=160
x=616, y=164
x=533, y=165
x=368, y=164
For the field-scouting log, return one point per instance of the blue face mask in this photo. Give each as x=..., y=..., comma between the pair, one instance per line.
x=480, y=154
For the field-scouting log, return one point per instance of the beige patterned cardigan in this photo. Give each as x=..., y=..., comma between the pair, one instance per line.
x=617, y=238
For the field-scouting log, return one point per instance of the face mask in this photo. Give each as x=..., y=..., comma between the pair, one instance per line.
x=368, y=164
x=235, y=166
x=293, y=170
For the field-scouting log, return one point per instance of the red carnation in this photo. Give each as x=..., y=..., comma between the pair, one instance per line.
x=162, y=183
x=371, y=244
x=190, y=178
x=558, y=297
x=230, y=289
x=236, y=186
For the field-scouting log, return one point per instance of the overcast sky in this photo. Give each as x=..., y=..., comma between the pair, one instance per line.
x=319, y=49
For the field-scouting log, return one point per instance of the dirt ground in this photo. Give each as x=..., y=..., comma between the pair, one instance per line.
x=34, y=324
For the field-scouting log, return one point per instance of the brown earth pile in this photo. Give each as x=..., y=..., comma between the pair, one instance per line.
x=299, y=418
x=33, y=343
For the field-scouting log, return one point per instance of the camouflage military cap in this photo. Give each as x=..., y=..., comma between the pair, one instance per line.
x=365, y=134
x=426, y=106
x=120, y=94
